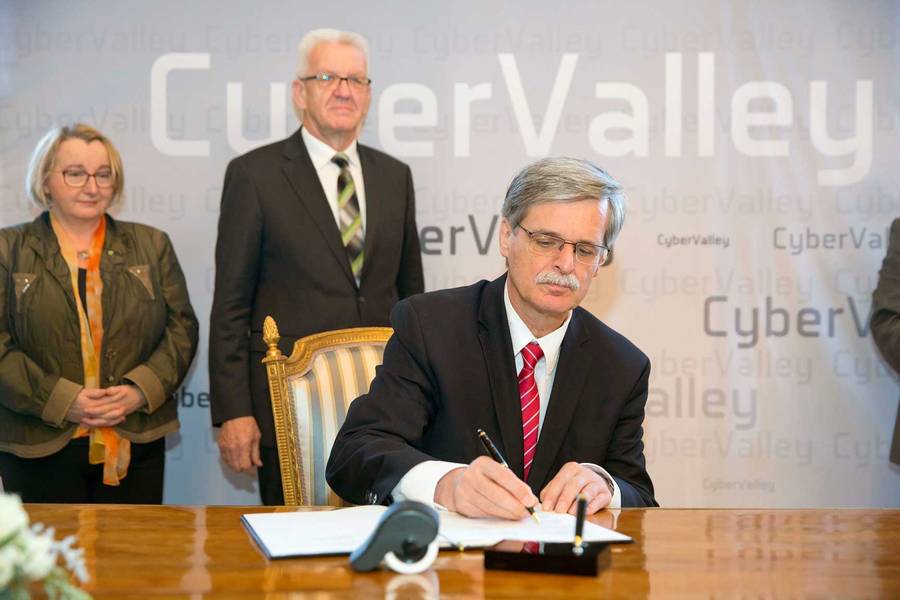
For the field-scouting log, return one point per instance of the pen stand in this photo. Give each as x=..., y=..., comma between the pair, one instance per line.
x=548, y=558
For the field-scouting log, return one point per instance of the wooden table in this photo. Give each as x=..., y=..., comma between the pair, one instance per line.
x=197, y=551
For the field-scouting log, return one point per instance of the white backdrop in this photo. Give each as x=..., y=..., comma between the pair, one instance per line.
x=758, y=142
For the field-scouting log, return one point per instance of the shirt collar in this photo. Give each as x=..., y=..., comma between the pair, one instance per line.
x=521, y=336
x=321, y=153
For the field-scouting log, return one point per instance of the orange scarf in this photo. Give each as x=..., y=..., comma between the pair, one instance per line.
x=106, y=446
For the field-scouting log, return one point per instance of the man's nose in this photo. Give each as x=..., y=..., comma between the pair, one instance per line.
x=565, y=261
x=343, y=88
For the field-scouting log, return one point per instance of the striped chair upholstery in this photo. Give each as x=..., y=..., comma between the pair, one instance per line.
x=311, y=391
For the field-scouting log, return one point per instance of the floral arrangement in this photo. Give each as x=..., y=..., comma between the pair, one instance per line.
x=29, y=555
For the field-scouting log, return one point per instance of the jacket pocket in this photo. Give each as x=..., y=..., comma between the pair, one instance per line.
x=142, y=273
x=24, y=288
x=22, y=282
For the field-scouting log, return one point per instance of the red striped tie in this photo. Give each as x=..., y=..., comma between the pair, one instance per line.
x=531, y=402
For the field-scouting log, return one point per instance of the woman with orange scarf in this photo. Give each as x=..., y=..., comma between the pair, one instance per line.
x=97, y=334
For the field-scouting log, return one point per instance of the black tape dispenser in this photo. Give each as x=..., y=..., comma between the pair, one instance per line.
x=405, y=538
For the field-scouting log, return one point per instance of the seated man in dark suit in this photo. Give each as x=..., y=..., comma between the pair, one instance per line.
x=561, y=394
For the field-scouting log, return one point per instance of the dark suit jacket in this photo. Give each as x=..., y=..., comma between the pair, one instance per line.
x=886, y=317
x=279, y=253
x=449, y=368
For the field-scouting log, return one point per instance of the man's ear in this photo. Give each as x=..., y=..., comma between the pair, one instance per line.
x=504, y=237
x=600, y=264
x=297, y=94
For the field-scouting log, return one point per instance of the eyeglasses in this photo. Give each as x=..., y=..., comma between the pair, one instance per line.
x=545, y=244
x=76, y=178
x=330, y=80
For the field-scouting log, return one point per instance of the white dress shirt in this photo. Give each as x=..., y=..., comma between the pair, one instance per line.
x=420, y=482
x=321, y=154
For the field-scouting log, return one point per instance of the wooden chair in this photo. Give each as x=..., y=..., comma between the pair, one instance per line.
x=310, y=393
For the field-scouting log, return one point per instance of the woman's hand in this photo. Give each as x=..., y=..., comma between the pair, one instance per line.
x=105, y=407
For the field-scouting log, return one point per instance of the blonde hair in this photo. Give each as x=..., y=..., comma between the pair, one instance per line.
x=44, y=157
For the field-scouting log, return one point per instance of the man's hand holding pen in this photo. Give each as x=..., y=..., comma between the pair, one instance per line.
x=488, y=489
x=485, y=488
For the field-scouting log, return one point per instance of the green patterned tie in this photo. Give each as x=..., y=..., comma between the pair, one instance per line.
x=350, y=218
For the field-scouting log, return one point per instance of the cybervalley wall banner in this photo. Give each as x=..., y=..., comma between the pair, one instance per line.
x=758, y=143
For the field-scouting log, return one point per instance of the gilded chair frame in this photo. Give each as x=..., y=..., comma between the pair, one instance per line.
x=279, y=370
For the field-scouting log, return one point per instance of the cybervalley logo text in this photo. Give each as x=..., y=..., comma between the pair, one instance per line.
x=751, y=110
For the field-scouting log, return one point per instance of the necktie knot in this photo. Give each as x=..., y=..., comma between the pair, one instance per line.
x=531, y=354
x=341, y=160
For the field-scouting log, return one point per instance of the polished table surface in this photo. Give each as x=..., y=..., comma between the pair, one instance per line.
x=205, y=552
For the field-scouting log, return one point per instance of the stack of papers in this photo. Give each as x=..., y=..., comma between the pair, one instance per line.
x=315, y=533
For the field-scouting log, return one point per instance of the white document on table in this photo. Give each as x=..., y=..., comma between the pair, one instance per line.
x=554, y=528
x=315, y=533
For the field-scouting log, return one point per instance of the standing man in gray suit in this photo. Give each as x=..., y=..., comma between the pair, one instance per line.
x=886, y=317
x=317, y=231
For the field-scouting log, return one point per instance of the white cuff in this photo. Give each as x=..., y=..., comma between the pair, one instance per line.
x=420, y=482
x=616, y=501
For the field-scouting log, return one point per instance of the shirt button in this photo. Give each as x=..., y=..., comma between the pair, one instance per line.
x=110, y=379
x=362, y=299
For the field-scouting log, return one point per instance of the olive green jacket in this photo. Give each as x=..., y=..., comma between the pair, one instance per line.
x=149, y=333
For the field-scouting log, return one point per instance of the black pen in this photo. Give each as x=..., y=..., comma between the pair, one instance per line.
x=577, y=548
x=495, y=454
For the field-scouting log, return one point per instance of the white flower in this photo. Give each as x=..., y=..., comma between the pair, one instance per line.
x=74, y=558
x=29, y=554
x=8, y=560
x=13, y=517
x=39, y=558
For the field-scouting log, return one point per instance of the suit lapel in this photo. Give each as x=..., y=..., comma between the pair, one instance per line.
x=568, y=387
x=376, y=195
x=301, y=174
x=496, y=345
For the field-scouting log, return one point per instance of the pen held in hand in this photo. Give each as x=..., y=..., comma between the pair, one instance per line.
x=495, y=454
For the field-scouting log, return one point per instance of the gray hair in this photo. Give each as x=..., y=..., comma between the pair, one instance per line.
x=565, y=179
x=319, y=36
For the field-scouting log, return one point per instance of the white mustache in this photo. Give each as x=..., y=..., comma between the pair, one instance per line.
x=554, y=278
